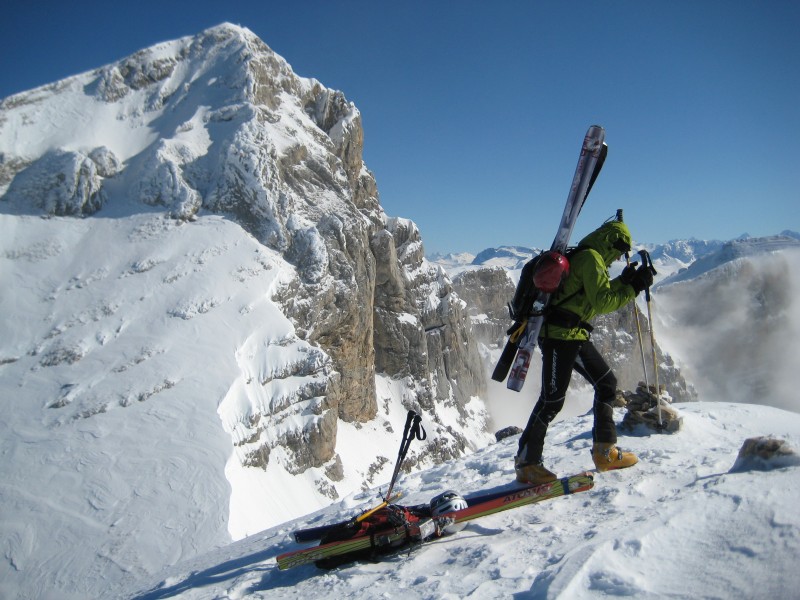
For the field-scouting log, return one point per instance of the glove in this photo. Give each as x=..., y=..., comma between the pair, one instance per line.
x=628, y=273
x=642, y=278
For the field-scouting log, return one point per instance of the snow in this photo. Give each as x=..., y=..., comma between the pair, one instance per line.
x=101, y=355
x=137, y=346
x=682, y=523
x=731, y=251
x=126, y=368
x=72, y=125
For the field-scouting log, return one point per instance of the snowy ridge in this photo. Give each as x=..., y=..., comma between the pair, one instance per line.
x=669, y=258
x=682, y=523
x=509, y=257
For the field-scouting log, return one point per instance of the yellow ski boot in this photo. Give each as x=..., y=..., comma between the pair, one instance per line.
x=607, y=457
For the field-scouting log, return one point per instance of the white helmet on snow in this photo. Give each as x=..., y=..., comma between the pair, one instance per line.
x=445, y=503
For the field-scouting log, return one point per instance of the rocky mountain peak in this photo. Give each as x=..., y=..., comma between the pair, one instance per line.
x=219, y=124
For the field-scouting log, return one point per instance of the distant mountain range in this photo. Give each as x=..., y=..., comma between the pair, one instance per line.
x=671, y=258
x=703, y=262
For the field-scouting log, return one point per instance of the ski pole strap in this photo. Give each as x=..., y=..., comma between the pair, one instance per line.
x=413, y=431
x=418, y=430
x=516, y=331
x=409, y=420
x=647, y=263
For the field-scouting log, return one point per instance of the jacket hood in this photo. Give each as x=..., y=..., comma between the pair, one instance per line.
x=604, y=238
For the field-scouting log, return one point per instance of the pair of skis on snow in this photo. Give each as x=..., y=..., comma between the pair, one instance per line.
x=402, y=535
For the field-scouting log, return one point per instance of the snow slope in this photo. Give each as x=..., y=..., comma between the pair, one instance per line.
x=680, y=524
x=125, y=344
x=113, y=368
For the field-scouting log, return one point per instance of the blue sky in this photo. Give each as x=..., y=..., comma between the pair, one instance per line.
x=474, y=111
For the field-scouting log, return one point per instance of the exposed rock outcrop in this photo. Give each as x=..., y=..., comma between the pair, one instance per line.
x=765, y=454
x=617, y=339
x=63, y=183
x=487, y=292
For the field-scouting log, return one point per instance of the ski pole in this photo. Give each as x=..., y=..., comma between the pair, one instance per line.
x=639, y=332
x=647, y=262
x=412, y=430
x=636, y=314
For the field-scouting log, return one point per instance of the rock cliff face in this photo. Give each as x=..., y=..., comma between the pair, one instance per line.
x=422, y=331
x=218, y=123
x=487, y=292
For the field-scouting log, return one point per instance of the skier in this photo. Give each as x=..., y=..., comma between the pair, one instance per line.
x=565, y=344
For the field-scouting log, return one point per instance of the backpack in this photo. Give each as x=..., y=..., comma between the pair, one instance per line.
x=414, y=520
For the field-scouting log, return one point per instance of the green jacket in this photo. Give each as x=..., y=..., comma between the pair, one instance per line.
x=588, y=291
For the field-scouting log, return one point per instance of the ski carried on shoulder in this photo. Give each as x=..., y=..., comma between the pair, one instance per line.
x=403, y=526
x=516, y=356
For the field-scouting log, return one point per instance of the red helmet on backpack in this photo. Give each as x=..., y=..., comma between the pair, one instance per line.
x=551, y=271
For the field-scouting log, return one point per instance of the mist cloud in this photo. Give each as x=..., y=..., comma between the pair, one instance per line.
x=734, y=330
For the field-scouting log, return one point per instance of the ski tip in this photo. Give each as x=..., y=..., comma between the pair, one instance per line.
x=594, y=142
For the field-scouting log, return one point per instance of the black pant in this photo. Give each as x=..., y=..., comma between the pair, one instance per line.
x=559, y=358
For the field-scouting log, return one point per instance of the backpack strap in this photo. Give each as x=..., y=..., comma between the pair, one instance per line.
x=569, y=254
